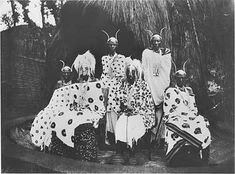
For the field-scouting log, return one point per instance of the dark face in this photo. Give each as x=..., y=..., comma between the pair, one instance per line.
x=131, y=77
x=112, y=47
x=156, y=42
x=180, y=81
x=84, y=73
x=66, y=75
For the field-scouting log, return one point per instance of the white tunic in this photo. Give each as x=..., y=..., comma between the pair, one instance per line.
x=154, y=63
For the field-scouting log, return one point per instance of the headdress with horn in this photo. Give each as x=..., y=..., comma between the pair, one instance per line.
x=86, y=60
x=65, y=68
x=152, y=36
x=112, y=40
x=181, y=72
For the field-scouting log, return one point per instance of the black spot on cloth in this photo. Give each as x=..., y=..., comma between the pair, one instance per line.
x=70, y=121
x=177, y=100
x=206, y=139
x=90, y=100
x=177, y=92
x=79, y=113
x=168, y=95
x=174, y=136
x=185, y=125
x=88, y=88
x=184, y=113
x=98, y=85
x=101, y=98
x=174, y=107
x=61, y=113
x=53, y=125
x=198, y=131
x=75, y=96
x=63, y=132
x=72, y=139
x=171, y=110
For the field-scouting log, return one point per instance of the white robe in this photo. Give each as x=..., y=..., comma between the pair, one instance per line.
x=153, y=62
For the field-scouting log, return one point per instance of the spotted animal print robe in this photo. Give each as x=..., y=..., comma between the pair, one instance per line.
x=139, y=98
x=69, y=107
x=113, y=73
x=183, y=124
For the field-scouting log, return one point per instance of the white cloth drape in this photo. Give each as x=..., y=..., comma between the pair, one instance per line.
x=152, y=63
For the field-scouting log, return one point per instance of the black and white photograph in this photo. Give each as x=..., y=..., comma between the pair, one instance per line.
x=117, y=86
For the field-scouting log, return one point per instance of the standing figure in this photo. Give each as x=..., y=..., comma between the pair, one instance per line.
x=113, y=73
x=187, y=133
x=66, y=73
x=156, y=63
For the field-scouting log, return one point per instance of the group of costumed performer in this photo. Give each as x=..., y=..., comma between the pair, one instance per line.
x=66, y=125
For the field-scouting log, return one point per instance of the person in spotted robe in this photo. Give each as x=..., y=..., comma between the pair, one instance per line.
x=66, y=126
x=156, y=62
x=112, y=76
x=137, y=106
x=185, y=128
x=66, y=72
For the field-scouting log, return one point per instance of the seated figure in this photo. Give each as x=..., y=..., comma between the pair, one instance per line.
x=66, y=125
x=65, y=80
x=187, y=134
x=137, y=106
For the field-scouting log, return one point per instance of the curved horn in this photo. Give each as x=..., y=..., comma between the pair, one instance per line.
x=162, y=30
x=174, y=65
x=62, y=63
x=106, y=34
x=150, y=33
x=185, y=64
x=116, y=34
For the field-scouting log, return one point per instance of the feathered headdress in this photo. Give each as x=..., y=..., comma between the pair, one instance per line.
x=113, y=40
x=155, y=35
x=136, y=66
x=181, y=72
x=65, y=68
x=85, y=60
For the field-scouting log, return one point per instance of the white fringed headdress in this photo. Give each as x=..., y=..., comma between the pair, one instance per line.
x=85, y=60
x=135, y=65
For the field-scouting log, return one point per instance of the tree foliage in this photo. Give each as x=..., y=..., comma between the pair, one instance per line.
x=7, y=20
x=54, y=8
x=25, y=4
x=15, y=14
